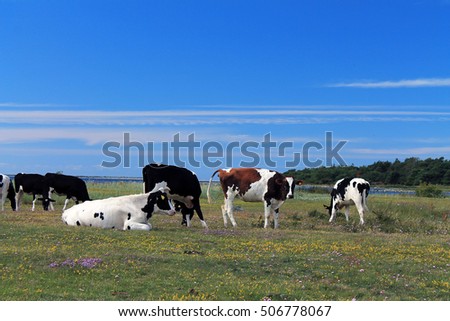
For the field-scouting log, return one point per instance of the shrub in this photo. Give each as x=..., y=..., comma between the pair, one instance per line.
x=428, y=190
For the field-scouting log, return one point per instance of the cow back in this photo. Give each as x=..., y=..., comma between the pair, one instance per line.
x=180, y=181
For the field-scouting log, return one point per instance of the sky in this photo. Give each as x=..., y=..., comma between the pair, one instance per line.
x=105, y=87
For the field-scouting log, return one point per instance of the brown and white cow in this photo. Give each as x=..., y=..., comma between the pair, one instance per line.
x=254, y=185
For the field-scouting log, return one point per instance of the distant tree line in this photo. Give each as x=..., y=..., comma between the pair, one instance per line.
x=410, y=172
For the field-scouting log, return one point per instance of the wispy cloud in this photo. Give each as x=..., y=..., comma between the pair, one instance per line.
x=187, y=117
x=14, y=105
x=406, y=83
x=417, y=151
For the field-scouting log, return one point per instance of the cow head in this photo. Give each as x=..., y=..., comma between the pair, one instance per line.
x=158, y=202
x=292, y=183
x=334, y=195
x=45, y=202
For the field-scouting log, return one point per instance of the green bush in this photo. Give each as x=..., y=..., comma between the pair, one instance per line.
x=428, y=190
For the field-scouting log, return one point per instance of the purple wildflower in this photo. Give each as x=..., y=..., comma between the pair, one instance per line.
x=90, y=262
x=69, y=263
x=53, y=265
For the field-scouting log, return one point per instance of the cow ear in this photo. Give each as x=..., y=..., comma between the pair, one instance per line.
x=164, y=189
x=299, y=182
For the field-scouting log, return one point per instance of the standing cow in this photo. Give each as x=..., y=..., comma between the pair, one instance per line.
x=254, y=185
x=182, y=185
x=130, y=212
x=31, y=184
x=346, y=192
x=70, y=186
x=7, y=192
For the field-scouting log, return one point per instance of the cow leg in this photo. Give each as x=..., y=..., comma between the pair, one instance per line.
x=275, y=217
x=140, y=226
x=199, y=213
x=65, y=203
x=228, y=210
x=34, y=202
x=333, y=214
x=360, y=209
x=347, y=212
x=224, y=214
x=3, y=198
x=187, y=217
x=51, y=208
x=19, y=195
x=267, y=211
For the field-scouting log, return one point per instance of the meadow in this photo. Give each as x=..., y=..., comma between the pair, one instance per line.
x=402, y=253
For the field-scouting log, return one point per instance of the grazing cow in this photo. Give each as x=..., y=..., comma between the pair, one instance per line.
x=130, y=212
x=7, y=192
x=254, y=185
x=31, y=184
x=182, y=185
x=70, y=186
x=348, y=192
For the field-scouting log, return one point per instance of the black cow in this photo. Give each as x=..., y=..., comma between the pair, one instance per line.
x=70, y=186
x=7, y=192
x=31, y=184
x=182, y=185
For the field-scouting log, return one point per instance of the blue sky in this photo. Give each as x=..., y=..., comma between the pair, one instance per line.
x=75, y=75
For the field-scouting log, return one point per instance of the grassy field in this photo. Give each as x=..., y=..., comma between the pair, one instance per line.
x=402, y=253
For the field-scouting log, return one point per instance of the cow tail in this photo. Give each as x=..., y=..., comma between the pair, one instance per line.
x=209, y=186
x=11, y=192
x=365, y=194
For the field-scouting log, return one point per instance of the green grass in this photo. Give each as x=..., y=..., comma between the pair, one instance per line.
x=402, y=253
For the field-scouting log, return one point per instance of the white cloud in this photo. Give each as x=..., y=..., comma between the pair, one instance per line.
x=187, y=117
x=418, y=151
x=407, y=83
x=33, y=105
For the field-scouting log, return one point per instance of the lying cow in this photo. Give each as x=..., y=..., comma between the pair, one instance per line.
x=7, y=192
x=348, y=192
x=130, y=212
x=70, y=186
x=254, y=185
x=31, y=184
x=182, y=185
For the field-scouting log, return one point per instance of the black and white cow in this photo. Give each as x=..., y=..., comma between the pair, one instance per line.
x=182, y=185
x=346, y=192
x=254, y=185
x=130, y=212
x=31, y=184
x=7, y=192
x=70, y=186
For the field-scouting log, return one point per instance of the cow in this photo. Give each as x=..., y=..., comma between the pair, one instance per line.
x=7, y=192
x=254, y=185
x=346, y=192
x=70, y=186
x=130, y=212
x=31, y=184
x=182, y=185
